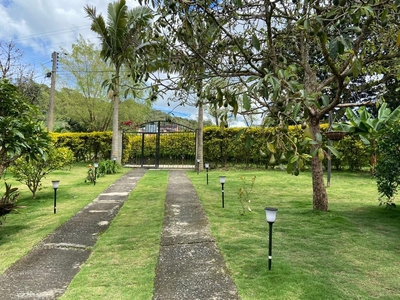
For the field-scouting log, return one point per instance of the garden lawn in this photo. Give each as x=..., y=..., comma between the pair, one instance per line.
x=123, y=262
x=350, y=252
x=21, y=231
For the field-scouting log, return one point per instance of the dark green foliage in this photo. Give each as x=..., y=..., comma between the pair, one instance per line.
x=20, y=132
x=387, y=171
x=355, y=154
x=107, y=167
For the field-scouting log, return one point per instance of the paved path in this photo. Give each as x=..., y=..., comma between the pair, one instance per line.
x=46, y=271
x=190, y=265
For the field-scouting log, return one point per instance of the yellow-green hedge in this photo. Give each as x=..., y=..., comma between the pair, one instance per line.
x=85, y=146
x=232, y=146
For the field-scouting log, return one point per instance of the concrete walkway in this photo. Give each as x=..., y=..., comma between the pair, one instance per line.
x=46, y=271
x=189, y=266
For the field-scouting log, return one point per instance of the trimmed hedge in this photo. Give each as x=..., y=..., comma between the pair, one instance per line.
x=230, y=147
x=85, y=146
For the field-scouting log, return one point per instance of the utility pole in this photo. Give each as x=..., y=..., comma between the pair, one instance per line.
x=50, y=120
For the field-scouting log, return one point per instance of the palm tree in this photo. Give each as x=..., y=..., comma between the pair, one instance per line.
x=123, y=39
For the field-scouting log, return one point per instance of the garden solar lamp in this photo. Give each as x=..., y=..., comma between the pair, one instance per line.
x=198, y=166
x=207, y=166
x=96, y=165
x=222, y=181
x=271, y=217
x=55, y=183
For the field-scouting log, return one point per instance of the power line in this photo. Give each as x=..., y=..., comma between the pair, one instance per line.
x=52, y=33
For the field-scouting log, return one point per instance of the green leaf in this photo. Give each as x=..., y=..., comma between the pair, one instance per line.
x=307, y=24
x=334, y=151
x=325, y=100
x=333, y=48
x=255, y=42
x=237, y=3
x=364, y=140
x=296, y=110
x=271, y=147
x=355, y=29
x=318, y=137
x=246, y=102
x=293, y=159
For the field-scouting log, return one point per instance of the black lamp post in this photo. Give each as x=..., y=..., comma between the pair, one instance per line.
x=198, y=166
x=207, y=165
x=222, y=181
x=271, y=216
x=96, y=165
x=55, y=187
x=114, y=159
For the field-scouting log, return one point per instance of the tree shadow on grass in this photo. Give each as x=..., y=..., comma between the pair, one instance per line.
x=8, y=231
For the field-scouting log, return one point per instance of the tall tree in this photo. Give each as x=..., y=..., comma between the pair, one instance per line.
x=292, y=59
x=123, y=39
x=10, y=60
x=20, y=131
x=88, y=103
x=18, y=73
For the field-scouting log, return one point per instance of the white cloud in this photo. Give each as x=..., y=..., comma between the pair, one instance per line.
x=39, y=27
x=43, y=26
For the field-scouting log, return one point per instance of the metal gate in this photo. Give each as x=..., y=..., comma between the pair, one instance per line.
x=160, y=144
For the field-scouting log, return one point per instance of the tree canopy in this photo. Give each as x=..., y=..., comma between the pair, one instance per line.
x=289, y=60
x=20, y=131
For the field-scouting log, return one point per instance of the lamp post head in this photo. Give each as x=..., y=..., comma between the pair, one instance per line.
x=114, y=158
x=207, y=165
x=96, y=164
x=271, y=214
x=222, y=179
x=198, y=160
x=56, y=183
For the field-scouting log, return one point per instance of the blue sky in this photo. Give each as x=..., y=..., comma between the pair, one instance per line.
x=39, y=27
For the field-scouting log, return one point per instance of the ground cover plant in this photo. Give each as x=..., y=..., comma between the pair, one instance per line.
x=22, y=231
x=350, y=252
x=123, y=262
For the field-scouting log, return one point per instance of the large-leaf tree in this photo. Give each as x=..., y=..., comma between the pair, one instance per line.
x=291, y=60
x=21, y=132
x=124, y=39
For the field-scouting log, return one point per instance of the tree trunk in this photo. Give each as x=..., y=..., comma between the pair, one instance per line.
x=3, y=167
x=320, y=197
x=199, y=151
x=115, y=133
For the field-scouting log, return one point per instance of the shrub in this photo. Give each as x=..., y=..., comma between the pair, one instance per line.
x=387, y=171
x=107, y=167
x=8, y=200
x=85, y=146
x=32, y=171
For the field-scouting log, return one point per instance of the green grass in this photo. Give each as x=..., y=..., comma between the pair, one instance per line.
x=22, y=231
x=350, y=252
x=123, y=262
